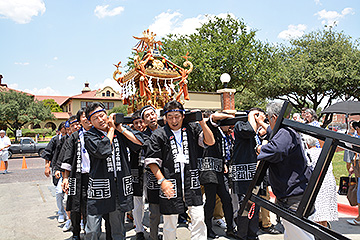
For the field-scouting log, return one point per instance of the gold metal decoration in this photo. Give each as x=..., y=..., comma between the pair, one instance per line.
x=154, y=80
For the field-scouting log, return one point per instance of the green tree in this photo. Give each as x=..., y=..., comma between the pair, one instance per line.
x=18, y=109
x=319, y=67
x=54, y=107
x=249, y=99
x=120, y=109
x=223, y=45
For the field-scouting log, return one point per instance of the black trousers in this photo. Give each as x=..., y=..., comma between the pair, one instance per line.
x=247, y=228
x=75, y=215
x=222, y=190
x=107, y=227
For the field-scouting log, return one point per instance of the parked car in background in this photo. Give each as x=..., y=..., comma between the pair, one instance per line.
x=27, y=145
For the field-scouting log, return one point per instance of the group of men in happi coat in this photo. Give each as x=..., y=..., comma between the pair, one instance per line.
x=107, y=169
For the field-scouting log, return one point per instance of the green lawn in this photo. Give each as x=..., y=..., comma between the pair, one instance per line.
x=339, y=166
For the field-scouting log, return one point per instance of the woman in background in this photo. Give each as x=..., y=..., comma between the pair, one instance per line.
x=353, y=167
x=326, y=201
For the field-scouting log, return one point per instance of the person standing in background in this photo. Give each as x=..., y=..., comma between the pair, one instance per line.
x=4, y=146
x=354, y=167
x=51, y=155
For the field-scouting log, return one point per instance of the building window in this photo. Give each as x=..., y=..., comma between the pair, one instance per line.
x=85, y=104
x=108, y=105
x=103, y=94
x=112, y=94
x=69, y=107
x=108, y=93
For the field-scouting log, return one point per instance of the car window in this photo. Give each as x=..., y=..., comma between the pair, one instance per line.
x=26, y=141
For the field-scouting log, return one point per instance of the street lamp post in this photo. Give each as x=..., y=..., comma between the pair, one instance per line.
x=225, y=79
x=227, y=95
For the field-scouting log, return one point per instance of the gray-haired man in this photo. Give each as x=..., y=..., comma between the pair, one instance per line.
x=288, y=171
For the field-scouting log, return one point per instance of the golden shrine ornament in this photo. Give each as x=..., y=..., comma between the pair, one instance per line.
x=154, y=79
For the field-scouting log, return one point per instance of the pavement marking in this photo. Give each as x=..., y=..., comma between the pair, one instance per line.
x=41, y=193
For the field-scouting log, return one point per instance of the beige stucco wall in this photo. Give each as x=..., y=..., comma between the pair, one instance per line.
x=99, y=93
x=203, y=100
x=76, y=103
x=198, y=100
x=42, y=124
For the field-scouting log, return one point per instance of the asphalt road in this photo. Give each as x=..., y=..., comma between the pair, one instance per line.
x=28, y=207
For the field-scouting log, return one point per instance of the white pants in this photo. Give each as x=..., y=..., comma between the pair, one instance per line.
x=4, y=156
x=197, y=228
x=59, y=194
x=138, y=213
x=293, y=232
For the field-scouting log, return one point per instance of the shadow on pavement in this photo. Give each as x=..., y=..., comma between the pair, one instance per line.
x=343, y=227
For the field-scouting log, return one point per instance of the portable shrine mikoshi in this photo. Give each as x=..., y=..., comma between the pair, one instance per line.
x=154, y=80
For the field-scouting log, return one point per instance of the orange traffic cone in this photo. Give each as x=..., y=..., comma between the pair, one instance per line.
x=24, y=166
x=2, y=166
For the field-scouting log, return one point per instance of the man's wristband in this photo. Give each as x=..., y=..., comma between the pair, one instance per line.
x=160, y=181
x=123, y=131
x=256, y=148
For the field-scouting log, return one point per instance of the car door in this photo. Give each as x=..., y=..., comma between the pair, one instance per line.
x=27, y=145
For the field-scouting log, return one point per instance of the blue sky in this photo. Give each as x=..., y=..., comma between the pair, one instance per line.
x=51, y=47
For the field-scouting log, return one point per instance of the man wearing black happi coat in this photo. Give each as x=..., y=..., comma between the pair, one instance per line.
x=242, y=171
x=137, y=172
x=172, y=153
x=150, y=118
x=212, y=174
x=110, y=187
x=76, y=165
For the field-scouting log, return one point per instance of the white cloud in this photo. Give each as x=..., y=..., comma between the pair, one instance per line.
x=102, y=11
x=347, y=11
x=48, y=91
x=55, y=58
x=108, y=82
x=164, y=23
x=293, y=32
x=330, y=18
x=189, y=25
x=70, y=78
x=13, y=85
x=170, y=22
x=21, y=11
x=317, y=2
x=21, y=63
